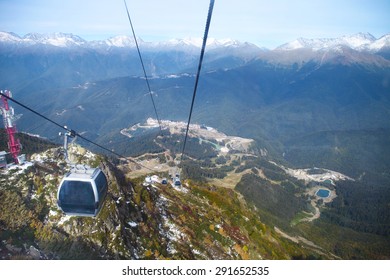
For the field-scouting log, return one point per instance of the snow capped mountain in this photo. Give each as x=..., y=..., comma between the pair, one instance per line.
x=122, y=41
x=70, y=40
x=9, y=37
x=53, y=39
x=212, y=42
x=176, y=53
x=381, y=43
x=196, y=43
x=359, y=42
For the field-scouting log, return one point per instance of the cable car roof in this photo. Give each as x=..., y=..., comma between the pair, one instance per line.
x=86, y=174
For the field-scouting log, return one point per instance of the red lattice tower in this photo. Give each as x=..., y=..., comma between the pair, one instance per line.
x=8, y=118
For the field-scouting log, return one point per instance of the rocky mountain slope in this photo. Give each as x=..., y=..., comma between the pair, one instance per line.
x=138, y=220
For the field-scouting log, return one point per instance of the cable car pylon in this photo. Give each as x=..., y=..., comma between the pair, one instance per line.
x=8, y=118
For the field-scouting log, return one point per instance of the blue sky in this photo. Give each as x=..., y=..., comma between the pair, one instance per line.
x=267, y=23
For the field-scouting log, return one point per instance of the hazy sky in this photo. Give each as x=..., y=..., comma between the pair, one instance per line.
x=267, y=23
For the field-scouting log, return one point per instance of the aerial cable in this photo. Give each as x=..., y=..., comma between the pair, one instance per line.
x=198, y=72
x=143, y=66
x=73, y=133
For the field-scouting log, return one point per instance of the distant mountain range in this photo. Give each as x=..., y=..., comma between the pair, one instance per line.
x=359, y=41
x=42, y=61
x=66, y=40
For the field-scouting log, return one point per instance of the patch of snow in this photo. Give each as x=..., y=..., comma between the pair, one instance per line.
x=20, y=168
x=53, y=213
x=54, y=39
x=359, y=42
x=179, y=188
x=132, y=224
x=296, y=44
x=63, y=220
x=122, y=41
x=197, y=252
x=174, y=232
x=382, y=42
x=9, y=37
x=211, y=43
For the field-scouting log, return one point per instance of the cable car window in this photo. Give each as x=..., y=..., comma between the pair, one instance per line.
x=101, y=185
x=77, y=196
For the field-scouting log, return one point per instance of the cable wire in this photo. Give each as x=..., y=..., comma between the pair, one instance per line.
x=143, y=66
x=198, y=72
x=73, y=132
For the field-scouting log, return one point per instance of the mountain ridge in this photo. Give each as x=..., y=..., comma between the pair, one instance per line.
x=59, y=39
x=359, y=41
x=180, y=55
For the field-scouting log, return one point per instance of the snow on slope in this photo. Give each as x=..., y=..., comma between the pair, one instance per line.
x=359, y=42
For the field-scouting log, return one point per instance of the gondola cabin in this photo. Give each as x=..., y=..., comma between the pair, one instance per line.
x=177, y=182
x=82, y=192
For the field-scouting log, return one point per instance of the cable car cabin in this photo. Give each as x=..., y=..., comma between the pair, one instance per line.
x=82, y=193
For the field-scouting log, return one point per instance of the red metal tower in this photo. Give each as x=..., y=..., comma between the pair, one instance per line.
x=8, y=117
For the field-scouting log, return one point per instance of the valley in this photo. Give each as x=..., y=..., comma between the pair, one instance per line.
x=236, y=156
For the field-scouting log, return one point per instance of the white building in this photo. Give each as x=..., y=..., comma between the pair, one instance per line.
x=3, y=160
